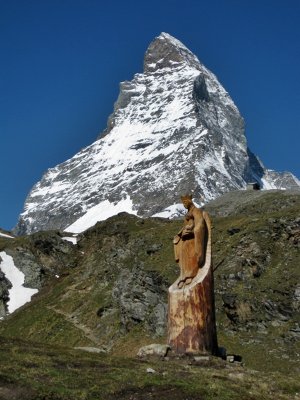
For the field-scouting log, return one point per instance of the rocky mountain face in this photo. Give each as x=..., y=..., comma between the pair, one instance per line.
x=174, y=130
x=109, y=290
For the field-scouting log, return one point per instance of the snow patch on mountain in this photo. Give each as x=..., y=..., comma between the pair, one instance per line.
x=171, y=212
x=175, y=210
x=18, y=294
x=267, y=185
x=101, y=212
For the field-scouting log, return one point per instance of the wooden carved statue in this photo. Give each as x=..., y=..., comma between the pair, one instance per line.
x=189, y=243
x=191, y=320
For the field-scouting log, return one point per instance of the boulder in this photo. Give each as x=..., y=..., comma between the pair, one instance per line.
x=154, y=349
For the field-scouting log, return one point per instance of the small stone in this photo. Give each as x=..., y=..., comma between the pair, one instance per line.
x=230, y=359
x=276, y=323
x=234, y=358
x=90, y=349
x=201, y=358
x=150, y=371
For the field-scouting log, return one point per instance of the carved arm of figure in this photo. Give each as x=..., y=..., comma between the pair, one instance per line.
x=199, y=234
x=187, y=230
x=176, y=245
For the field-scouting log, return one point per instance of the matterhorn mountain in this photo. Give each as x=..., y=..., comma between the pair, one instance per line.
x=174, y=130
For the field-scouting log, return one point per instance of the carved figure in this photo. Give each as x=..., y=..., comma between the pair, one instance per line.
x=190, y=242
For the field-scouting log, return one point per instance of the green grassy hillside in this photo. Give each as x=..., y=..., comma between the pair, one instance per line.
x=112, y=294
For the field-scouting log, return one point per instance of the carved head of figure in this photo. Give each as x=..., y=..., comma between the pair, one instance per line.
x=187, y=200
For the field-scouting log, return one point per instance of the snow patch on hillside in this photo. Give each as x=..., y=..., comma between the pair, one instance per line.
x=18, y=294
x=101, y=212
x=70, y=239
x=267, y=185
x=6, y=236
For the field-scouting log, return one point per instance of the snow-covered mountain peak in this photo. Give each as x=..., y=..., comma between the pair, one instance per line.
x=174, y=130
x=165, y=51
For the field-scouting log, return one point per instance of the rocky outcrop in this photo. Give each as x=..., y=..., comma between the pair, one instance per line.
x=26, y=262
x=263, y=261
x=140, y=298
x=5, y=285
x=39, y=257
x=174, y=129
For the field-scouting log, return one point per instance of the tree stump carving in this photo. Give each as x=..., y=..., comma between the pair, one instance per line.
x=191, y=318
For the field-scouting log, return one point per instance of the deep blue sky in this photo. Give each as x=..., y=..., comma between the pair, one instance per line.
x=62, y=61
